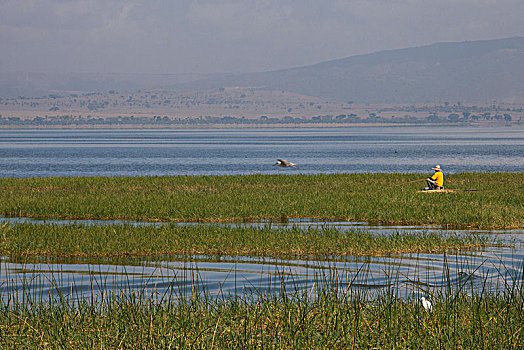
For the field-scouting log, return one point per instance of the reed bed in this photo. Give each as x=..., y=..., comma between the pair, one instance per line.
x=331, y=314
x=385, y=198
x=211, y=239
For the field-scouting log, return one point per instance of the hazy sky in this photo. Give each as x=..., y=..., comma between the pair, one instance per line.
x=208, y=36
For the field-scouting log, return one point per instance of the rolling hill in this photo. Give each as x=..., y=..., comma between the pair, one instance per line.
x=472, y=71
x=476, y=71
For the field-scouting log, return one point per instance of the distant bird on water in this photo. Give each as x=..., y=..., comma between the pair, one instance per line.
x=285, y=164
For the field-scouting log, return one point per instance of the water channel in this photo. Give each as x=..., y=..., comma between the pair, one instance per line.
x=496, y=269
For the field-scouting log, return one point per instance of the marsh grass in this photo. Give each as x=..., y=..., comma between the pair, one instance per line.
x=330, y=314
x=126, y=240
x=386, y=198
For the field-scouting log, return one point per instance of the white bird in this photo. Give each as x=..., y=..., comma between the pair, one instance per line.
x=284, y=164
x=426, y=304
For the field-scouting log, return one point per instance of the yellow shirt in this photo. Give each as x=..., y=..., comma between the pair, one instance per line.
x=438, y=177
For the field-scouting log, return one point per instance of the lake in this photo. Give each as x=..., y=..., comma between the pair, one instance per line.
x=41, y=153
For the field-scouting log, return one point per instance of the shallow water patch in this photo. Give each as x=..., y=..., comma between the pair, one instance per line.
x=490, y=270
x=494, y=269
x=304, y=223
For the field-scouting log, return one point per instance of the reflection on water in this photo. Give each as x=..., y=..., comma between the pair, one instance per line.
x=304, y=223
x=487, y=270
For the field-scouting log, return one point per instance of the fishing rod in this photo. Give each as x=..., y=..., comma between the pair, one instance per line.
x=408, y=182
x=401, y=184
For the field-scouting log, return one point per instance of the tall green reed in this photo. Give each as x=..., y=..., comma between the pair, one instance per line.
x=334, y=312
x=128, y=240
x=388, y=198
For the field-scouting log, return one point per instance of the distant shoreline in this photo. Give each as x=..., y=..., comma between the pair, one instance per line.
x=251, y=126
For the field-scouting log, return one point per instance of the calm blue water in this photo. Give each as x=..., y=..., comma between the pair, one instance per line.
x=29, y=153
x=497, y=270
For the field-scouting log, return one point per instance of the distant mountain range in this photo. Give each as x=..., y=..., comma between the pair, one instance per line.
x=472, y=71
x=31, y=84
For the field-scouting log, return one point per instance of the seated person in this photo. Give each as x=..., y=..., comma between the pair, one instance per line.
x=436, y=182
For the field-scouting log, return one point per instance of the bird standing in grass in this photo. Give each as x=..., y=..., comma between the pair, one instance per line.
x=285, y=164
x=426, y=304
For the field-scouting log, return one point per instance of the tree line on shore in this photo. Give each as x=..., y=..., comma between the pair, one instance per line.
x=433, y=118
